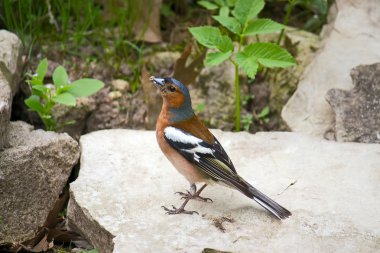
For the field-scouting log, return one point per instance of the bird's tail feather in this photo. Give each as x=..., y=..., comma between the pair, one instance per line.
x=266, y=202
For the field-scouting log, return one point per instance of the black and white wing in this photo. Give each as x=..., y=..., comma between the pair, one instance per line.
x=211, y=159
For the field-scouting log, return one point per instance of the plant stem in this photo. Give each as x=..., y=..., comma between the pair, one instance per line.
x=286, y=20
x=237, y=99
x=237, y=89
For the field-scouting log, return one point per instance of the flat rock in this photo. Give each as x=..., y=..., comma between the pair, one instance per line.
x=351, y=39
x=33, y=171
x=331, y=188
x=357, y=111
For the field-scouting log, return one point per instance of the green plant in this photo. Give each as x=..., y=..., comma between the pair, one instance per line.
x=247, y=121
x=200, y=107
x=44, y=97
x=249, y=58
x=224, y=6
x=90, y=251
x=263, y=115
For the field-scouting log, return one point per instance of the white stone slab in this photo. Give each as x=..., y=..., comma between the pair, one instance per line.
x=352, y=39
x=124, y=181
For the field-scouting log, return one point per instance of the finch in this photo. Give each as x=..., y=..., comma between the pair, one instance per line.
x=195, y=152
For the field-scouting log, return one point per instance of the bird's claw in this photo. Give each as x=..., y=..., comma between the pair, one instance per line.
x=177, y=210
x=188, y=195
x=184, y=194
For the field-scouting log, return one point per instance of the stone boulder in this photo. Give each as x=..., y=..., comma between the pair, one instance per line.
x=214, y=98
x=357, y=111
x=350, y=39
x=10, y=58
x=33, y=171
x=124, y=180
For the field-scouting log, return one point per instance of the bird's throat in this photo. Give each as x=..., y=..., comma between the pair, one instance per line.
x=180, y=114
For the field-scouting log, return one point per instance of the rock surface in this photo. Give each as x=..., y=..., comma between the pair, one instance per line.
x=331, y=188
x=357, y=112
x=33, y=172
x=214, y=98
x=351, y=39
x=10, y=57
x=283, y=82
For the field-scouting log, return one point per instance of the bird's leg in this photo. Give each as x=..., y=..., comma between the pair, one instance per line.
x=194, y=194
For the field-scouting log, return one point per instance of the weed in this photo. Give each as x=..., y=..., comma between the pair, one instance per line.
x=45, y=97
x=247, y=121
x=249, y=58
x=199, y=108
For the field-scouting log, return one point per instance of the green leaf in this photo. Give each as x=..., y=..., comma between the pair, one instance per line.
x=264, y=112
x=230, y=23
x=224, y=44
x=65, y=99
x=231, y=2
x=40, y=88
x=84, y=87
x=208, y=5
x=216, y=58
x=33, y=102
x=42, y=69
x=245, y=10
x=261, y=26
x=224, y=11
x=219, y=2
x=248, y=64
x=270, y=55
x=206, y=35
x=60, y=77
x=36, y=81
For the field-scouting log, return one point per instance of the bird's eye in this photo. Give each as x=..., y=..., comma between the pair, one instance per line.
x=171, y=88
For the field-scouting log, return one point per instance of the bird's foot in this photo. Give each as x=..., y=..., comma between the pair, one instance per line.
x=178, y=210
x=189, y=195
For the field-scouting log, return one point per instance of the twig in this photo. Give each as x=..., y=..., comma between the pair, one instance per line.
x=292, y=183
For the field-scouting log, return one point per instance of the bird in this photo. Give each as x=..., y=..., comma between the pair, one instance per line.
x=195, y=152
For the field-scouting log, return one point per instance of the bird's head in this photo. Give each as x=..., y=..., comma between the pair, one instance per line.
x=176, y=97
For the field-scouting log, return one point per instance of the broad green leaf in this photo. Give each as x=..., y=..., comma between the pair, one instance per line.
x=60, y=77
x=216, y=58
x=36, y=81
x=261, y=26
x=270, y=55
x=231, y=2
x=42, y=69
x=219, y=2
x=245, y=10
x=230, y=23
x=33, y=102
x=206, y=35
x=224, y=11
x=224, y=44
x=84, y=87
x=40, y=88
x=248, y=64
x=65, y=99
x=208, y=5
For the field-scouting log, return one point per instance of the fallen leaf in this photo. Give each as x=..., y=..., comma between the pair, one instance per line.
x=187, y=73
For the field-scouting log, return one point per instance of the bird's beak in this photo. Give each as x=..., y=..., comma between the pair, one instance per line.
x=158, y=82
